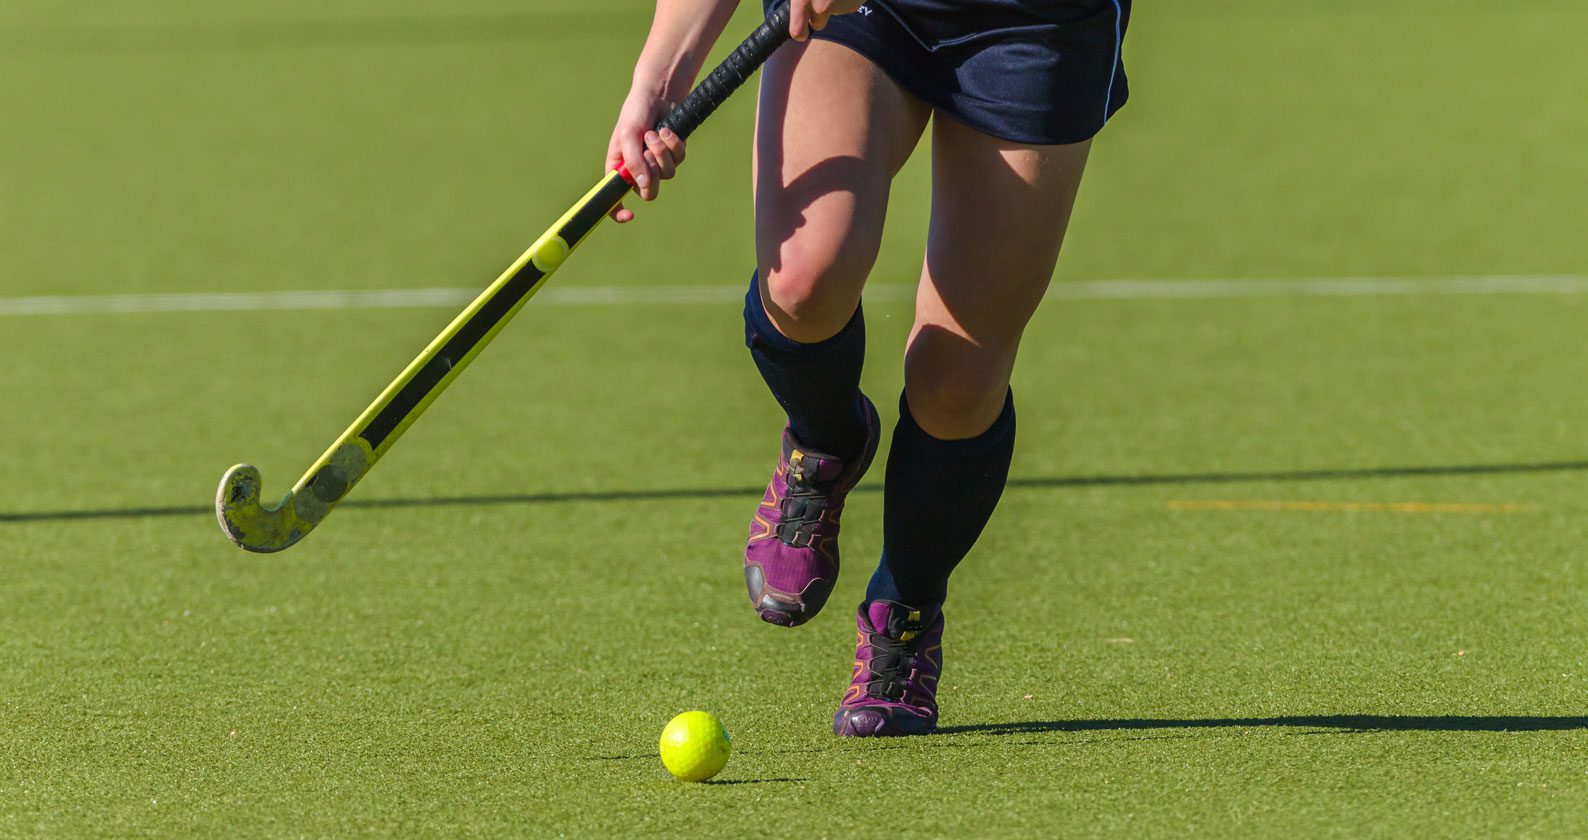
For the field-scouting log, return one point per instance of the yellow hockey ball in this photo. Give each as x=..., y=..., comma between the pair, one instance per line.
x=695, y=746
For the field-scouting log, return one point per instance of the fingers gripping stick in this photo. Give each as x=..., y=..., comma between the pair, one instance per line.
x=256, y=527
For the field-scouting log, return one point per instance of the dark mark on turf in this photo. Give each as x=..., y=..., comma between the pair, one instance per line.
x=752, y=781
x=667, y=494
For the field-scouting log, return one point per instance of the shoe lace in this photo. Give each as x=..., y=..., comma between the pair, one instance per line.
x=891, y=663
x=807, y=502
x=802, y=475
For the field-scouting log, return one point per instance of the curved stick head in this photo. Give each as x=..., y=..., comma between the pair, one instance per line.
x=251, y=525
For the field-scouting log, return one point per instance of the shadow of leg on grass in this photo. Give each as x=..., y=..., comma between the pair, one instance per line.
x=1154, y=729
x=1349, y=723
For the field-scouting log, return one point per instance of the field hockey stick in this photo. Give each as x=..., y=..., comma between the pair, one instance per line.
x=255, y=527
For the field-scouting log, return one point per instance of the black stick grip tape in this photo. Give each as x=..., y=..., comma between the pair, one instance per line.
x=730, y=75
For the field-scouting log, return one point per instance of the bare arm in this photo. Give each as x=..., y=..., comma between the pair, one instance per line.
x=682, y=34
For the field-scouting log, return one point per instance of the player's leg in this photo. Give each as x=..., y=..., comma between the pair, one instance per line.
x=999, y=211
x=832, y=132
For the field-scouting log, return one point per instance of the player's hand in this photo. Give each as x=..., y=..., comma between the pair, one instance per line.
x=806, y=15
x=651, y=156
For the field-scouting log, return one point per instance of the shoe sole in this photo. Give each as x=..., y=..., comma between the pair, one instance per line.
x=780, y=608
x=866, y=722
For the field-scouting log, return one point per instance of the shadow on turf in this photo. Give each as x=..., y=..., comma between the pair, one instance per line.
x=752, y=781
x=666, y=494
x=1352, y=723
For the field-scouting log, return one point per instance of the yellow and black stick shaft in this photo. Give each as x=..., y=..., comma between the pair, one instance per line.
x=256, y=527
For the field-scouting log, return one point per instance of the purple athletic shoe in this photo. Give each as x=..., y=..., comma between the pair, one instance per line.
x=898, y=659
x=791, y=557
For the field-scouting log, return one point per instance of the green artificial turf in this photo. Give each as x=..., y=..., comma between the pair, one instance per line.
x=488, y=638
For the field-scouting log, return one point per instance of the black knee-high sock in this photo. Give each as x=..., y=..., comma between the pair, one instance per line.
x=939, y=495
x=817, y=384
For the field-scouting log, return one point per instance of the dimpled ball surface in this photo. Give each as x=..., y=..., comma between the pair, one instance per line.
x=695, y=746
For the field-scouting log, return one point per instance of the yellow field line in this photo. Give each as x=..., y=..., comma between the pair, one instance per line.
x=1348, y=507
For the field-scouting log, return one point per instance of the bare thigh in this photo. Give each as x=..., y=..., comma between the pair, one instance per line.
x=831, y=133
x=999, y=212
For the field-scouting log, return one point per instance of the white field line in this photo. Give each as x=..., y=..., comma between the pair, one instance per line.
x=1570, y=284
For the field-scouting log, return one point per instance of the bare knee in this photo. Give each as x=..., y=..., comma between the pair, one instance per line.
x=954, y=392
x=954, y=409
x=811, y=298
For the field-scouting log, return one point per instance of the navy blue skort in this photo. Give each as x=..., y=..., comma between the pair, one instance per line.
x=1042, y=72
